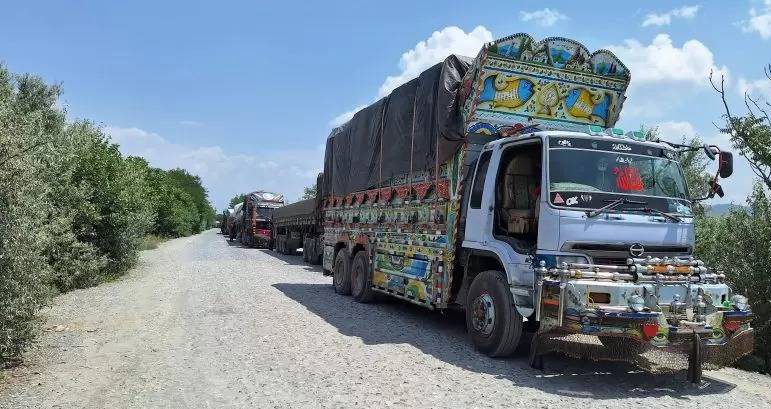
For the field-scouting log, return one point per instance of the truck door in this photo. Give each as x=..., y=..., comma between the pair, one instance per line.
x=478, y=215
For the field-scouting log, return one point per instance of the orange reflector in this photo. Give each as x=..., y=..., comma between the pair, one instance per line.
x=664, y=269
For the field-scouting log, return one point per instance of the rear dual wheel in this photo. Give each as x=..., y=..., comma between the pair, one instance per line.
x=341, y=273
x=361, y=278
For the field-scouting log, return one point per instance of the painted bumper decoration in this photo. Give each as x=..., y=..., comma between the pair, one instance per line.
x=665, y=305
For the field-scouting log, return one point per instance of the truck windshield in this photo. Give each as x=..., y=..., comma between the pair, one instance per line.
x=588, y=174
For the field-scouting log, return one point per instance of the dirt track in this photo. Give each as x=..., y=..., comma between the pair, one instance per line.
x=201, y=323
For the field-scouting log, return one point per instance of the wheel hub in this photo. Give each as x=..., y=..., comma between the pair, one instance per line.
x=483, y=314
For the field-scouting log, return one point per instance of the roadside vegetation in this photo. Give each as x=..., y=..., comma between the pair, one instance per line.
x=739, y=242
x=74, y=211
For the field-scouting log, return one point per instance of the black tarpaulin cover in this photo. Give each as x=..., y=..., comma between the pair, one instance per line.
x=302, y=208
x=412, y=129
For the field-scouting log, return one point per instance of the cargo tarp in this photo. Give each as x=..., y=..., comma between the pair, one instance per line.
x=412, y=129
x=297, y=209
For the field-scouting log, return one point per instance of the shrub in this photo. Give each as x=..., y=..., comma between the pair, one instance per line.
x=24, y=271
x=73, y=210
x=740, y=245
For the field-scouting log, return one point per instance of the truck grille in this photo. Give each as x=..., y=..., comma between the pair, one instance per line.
x=618, y=253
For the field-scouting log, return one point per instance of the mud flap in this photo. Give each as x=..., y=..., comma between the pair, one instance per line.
x=695, y=360
x=535, y=358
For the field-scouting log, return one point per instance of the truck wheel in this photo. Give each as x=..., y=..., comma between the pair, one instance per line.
x=361, y=279
x=492, y=320
x=341, y=273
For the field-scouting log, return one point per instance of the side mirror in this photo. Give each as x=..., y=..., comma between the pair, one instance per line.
x=708, y=151
x=725, y=165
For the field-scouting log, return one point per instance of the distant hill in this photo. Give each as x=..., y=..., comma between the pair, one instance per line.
x=721, y=209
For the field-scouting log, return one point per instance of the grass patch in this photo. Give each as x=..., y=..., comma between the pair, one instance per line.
x=151, y=242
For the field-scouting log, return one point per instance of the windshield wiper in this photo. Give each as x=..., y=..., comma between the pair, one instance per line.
x=613, y=204
x=669, y=216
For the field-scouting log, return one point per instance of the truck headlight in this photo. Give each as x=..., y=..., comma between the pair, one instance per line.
x=739, y=302
x=636, y=302
x=571, y=260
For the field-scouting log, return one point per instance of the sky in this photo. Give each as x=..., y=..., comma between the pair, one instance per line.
x=244, y=93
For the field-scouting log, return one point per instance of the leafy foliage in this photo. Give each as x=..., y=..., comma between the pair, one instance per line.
x=740, y=245
x=75, y=212
x=309, y=192
x=740, y=242
x=751, y=133
x=236, y=200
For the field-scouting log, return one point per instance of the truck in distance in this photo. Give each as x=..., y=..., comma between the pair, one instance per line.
x=256, y=226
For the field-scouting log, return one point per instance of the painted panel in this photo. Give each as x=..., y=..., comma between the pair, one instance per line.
x=550, y=84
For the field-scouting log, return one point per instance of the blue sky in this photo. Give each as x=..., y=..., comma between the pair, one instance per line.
x=244, y=93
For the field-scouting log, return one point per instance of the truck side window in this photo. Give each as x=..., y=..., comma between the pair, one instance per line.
x=479, y=180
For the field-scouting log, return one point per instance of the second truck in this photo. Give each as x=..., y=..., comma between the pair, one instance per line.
x=501, y=187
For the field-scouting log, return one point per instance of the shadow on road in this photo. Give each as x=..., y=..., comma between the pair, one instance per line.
x=295, y=260
x=442, y=335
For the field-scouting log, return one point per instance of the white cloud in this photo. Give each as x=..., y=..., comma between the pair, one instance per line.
x=662, y=61
x=755, y=88
x=665, y=19
x=442, y=43
x=674, y=131
x=345, y=116
x=449, y=40
x=225, y=174
x=544, y=18
x=760, y=21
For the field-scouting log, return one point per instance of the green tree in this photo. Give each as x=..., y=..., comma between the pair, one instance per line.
x=750, y=134
x=73, y=210
x=309, y=192
x=738, y=243
x=236, y=200
x=24, y=271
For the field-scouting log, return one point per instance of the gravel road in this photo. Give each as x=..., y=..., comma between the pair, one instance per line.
x=200, y=323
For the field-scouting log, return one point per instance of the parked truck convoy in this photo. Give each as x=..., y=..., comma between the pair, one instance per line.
x=500, y=186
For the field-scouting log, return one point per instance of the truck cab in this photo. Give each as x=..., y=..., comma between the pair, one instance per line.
x=589, y=228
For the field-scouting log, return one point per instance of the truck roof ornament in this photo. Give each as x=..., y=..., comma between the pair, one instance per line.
x=552, y=84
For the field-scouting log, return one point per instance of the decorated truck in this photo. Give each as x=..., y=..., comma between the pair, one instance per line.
x=500, y=186
x=255, y=218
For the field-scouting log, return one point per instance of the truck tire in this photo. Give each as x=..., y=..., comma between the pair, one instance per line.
x=361, y=278
x=341, y=273
x=492, y=320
